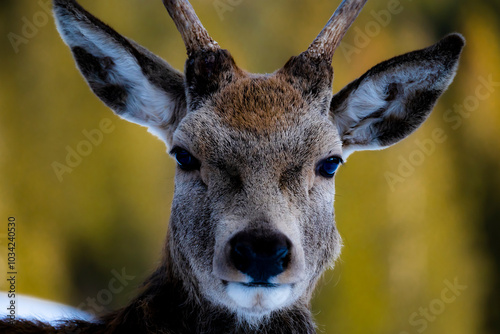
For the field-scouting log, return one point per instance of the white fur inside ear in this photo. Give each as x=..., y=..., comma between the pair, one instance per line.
x=367, y=99
x=146, y=104
x=371, y=96
x=368, y=104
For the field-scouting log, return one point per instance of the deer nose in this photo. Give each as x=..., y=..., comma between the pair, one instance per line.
x=260, y=254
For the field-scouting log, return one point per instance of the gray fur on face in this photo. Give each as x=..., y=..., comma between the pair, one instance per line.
x=258, y=172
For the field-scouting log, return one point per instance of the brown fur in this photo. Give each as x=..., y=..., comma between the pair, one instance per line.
x=250, y=104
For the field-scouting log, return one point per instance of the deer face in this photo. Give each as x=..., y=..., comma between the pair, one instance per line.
x=252, y=224
x=252, y=180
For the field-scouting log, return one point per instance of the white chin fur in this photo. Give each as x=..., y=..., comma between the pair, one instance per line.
x=258, y=300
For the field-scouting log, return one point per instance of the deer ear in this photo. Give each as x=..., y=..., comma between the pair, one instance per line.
x=137, y=85
x=395, y=97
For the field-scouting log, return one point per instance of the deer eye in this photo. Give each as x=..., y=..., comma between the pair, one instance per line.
x=327, y=167
x=185, y=160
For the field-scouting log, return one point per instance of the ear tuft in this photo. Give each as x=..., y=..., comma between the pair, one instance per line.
x=453, y=42
x=62, y=2
x=449, y=49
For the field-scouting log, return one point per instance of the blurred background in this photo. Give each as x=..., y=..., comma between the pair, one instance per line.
x=420, y=220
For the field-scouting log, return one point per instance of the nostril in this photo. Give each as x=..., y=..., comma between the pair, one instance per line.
x=244, y=250
x=260, y=255
x=281, y=253
x=241, y=256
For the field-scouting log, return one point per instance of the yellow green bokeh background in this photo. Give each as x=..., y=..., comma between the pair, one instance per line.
x=405, y=240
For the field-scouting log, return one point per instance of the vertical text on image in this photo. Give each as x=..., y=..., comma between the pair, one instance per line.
x=11, y=268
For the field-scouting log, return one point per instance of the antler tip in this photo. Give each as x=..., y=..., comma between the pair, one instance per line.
x=329, y=38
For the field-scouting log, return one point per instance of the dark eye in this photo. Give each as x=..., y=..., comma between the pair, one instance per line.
x=327, y=167
x=185, y=160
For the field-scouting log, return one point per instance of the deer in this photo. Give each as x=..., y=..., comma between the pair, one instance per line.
x=252, y=226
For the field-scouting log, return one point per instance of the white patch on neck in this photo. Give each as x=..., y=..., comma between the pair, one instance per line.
x=259, y=300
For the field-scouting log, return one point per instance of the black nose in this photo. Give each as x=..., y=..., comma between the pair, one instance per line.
x=260, y=254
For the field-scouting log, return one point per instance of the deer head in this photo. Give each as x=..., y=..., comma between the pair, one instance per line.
x=252, y=225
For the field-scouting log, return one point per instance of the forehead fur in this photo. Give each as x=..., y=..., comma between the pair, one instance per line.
x=256, y=118
x=259, y=104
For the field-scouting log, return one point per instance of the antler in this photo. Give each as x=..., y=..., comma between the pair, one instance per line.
x=329, y=38
x=194, y=35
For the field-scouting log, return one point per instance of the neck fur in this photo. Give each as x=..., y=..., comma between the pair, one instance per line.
x=170, y=304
